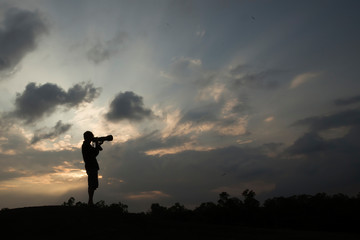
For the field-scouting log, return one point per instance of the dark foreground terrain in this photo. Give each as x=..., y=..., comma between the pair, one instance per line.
x=64, y=222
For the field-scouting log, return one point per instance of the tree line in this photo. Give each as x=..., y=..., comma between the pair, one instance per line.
x=321, y=211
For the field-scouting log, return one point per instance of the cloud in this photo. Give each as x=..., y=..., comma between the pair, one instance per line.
x=327, y=165
x=147, y=195
x=207, y=123
x=303, y=78
x=309, y=143
x=336, y=120
x=208, y=113
x=39, y=176
x=186, y=176
x=325, y=157
x=19, y=33
x=12, y=142
x=263, y=79
x=207, y=127
x=100, y=52
x=347, y=101
x=197, y=130
x=37, y=101
x=269, y=119
x=186, y=69
x=81, y=92
x=239, y=69
x=244, y=75
x=128, y=106
x=325, y=132
x=57, y=130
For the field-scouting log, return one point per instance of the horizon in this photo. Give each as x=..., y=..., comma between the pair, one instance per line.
x=223, y=196
x=201, y=97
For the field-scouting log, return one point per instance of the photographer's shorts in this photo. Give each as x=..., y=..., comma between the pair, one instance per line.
x=93, y=181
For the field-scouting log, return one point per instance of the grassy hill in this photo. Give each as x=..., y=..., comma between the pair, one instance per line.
x=63, y=222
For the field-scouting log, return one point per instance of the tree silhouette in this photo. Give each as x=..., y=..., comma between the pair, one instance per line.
x=249, y=199
x=158, y=210
x=120, y=207
x=224, y=198
x=70, y=202
x=321, y=211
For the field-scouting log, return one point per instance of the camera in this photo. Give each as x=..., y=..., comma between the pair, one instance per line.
x=100, y=140
x=103, y=139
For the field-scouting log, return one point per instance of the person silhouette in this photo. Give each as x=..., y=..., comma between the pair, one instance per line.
x=91, y=165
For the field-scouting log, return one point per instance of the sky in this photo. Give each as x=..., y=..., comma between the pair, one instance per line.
x=201, y=97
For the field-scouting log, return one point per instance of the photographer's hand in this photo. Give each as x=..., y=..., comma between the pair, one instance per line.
x=98, y=145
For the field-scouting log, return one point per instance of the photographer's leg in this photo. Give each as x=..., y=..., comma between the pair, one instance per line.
x=91, y=196
x=93, y=184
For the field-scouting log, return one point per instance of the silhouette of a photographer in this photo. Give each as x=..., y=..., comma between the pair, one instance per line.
x=91, y=165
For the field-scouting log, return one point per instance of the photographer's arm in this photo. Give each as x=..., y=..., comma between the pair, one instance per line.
x=98, y=145
x=95, y=150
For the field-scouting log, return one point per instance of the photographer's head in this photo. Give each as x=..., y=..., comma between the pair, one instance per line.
x=88, y=136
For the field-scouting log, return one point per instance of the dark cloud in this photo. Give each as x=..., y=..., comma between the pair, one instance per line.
x=57, y=130
x=129, y=106
x=37, y=101
x=312, y=141
x=347, y=101
x=81, y=92
x=104, y=51
x=323, y=163
x=19, y=33
x=308, y=143
x=326, y=165
x=340, y=119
